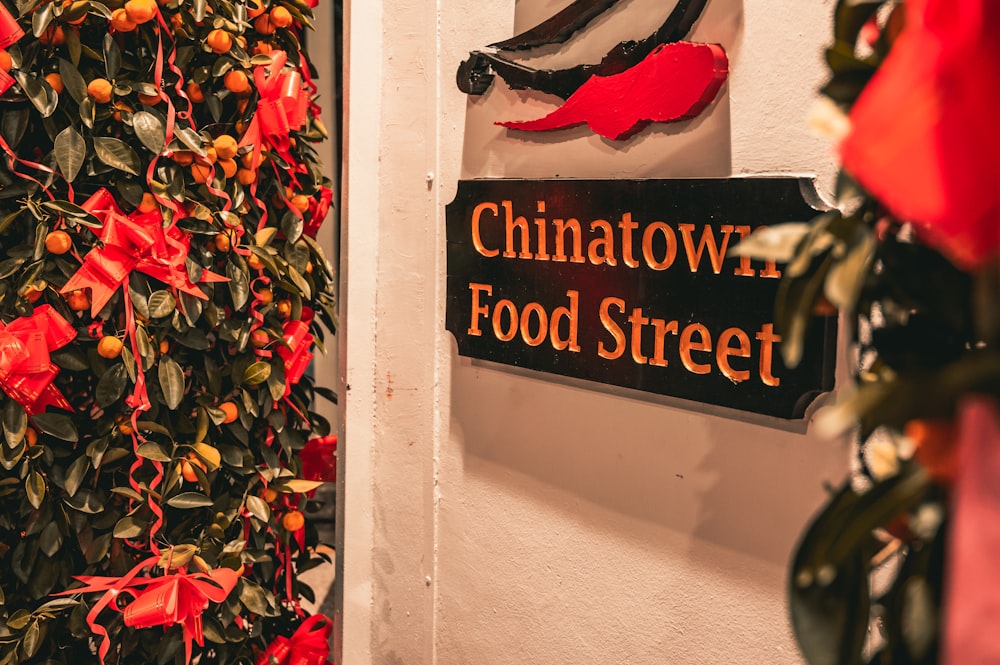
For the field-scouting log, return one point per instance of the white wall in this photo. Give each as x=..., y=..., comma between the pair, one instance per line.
x=494, y=517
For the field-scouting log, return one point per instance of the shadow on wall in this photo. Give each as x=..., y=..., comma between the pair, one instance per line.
x=741, y=486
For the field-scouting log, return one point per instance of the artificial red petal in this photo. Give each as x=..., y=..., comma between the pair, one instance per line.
x=972, y=603
x=674, y=82
x=924, y=140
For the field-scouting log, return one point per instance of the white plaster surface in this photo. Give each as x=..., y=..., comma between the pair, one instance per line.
x=494, y=517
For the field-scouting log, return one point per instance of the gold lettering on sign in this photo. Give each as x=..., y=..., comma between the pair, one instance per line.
x=688, y=345
x=715, y=253
x=767, y=340
x=647, y=246
x=477, y=309
x=543, y=324
x=607, y=255
x=613, y=328
x=661, y=329
x=541, y=255
x=508, y=334
x=572, y=314
x=628, y=226
x=477, y=239
x=561, y=227
x=724, y=351
x=521, y=224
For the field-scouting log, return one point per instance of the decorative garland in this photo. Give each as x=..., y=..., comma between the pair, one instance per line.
x=161, y=291
x=899, y=566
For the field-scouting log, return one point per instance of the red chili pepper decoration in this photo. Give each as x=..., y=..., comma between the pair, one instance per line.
x=674, y=82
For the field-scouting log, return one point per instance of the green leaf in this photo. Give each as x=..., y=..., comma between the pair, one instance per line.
x=57, y=425
x=42, y=97
x=264, y=236
x=298, y=485
x=40, y=20
x=846, y=277
x=75, y=474
x=239, y=284
x=152, y=426
x=70, y=151
x=32, y=638
x=253, y=597
x=112, y=57
x=208, y=454
x=34, y=485
x=258, y=508
x=111, y=386
x=150, y=130
x=19, y=620
x=50, y=540
x=152, y=451
x=300, y=283
x=85, y=501
x=191, y=139
x=190, y=500
x=15, y=423
x=117, y=154
x=291, y=226
x=276, y=381
x=171, y=382
x=256, y=373
x=129, y=527
x=161, y=304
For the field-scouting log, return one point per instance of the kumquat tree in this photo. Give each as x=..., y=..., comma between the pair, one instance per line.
x=162, y=292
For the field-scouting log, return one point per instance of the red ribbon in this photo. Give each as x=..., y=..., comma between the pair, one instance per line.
x=921, y=140
x=319, y=459
x=296, y=353
x=10, y=29
x=971, y=602
x=318, y=211
x=309, y=645
x=282, y=107
x=26, y=370
x=165, y=601
x=136, y=242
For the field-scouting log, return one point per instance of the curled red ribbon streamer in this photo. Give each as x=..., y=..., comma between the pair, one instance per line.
x=26, y=370
x=175, y=598
x=309, y=645
x=136, y=242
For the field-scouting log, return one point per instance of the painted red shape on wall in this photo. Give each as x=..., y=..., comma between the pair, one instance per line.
x=674, y=82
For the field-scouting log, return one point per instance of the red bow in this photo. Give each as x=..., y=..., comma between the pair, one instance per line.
x=136, y=242
x=282, y=106
x=26, y=370
x=296, y=354
x=319, y=459
x=308, y=646
x=168, y=600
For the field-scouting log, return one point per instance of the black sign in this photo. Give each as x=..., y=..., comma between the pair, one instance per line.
x=627, y=283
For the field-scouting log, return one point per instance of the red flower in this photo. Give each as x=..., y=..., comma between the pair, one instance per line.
x=924, y=138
